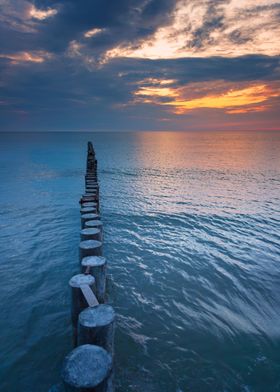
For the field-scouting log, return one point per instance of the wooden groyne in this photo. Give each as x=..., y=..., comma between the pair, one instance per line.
x=89, y=366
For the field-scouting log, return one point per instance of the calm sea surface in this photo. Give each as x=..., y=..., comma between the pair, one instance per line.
x=192, y=224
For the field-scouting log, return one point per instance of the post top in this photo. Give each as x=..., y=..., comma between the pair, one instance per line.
x=86, y=366
x=93, y=223
x=81, y=279
x=88, y=199
x=90, y=231
x=97, y=316
x=93, y=261
x=90, y=194
x=89, y=204
x=90, y=216
x=88, y=209
x=88, y=244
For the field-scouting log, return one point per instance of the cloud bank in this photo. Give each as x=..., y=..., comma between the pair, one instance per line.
x=129, y=65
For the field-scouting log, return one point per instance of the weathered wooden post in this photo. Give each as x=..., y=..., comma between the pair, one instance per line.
x=90, y=194
x=88, y=210
x=87, y=368
x=91, y=233
x=97, y=266
x=96, y=325
x=95, y=224
x=89, y=199
x=88, y=217
x=89, y=204
x=91, y=177
x=78, y=301
x=92, y=182
x=90, y=248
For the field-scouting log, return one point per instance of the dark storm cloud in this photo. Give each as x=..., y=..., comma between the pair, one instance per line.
x=124, y=21
x=183, y=71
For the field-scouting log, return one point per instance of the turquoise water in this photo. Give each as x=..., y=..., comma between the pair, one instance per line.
x=192, y=240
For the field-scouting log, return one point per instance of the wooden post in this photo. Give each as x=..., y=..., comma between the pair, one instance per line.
x=87, y=368
x=97, y=266
x=89, y=204
x=88, y=210
x=90, y=248
x=87, y=217
x=89, y=199
x=91, y=234
x=96, y=326
x=95, y=224
x=79, y=302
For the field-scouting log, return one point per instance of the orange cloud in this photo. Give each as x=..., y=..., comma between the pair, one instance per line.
x=249, y=109
x=219, y=95
x=34, y=57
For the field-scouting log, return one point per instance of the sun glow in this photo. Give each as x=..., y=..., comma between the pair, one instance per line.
x=233, y=99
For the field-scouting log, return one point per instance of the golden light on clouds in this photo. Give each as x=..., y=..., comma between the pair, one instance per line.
x=152, y=87
x=249, y=109
x=156, y=81
x=92, y=32
x=245, y=29
x=232, y=98
x=156, y=92
x=22, y=57
x=41, y=14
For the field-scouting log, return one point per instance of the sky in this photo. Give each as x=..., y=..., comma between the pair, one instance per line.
x=128, y=65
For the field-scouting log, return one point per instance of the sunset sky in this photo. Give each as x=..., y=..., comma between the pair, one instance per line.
x=139, y=65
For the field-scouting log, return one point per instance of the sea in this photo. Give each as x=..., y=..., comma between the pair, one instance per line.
x=192, y=239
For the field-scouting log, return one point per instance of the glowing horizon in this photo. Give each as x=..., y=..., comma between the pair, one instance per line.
x=232, y=98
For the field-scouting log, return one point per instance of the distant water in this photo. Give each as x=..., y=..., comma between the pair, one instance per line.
x=192, y=238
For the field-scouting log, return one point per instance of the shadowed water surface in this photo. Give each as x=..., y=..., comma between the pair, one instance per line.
x=192, y=238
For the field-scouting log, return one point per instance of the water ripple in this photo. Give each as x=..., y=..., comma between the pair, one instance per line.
x=192, y=241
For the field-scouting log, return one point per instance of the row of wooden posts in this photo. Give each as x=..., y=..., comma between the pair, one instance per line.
x=89, y=366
